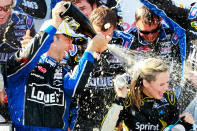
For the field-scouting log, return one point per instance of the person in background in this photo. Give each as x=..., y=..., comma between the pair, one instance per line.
x=149, y=104
x=154, y=37
x=98, y=93
x=186, y=18
x=119, y=38
x=39, y=91
x=86, y=6
x=13, y=27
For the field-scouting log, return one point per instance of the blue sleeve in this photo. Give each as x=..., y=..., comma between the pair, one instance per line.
x=25, y=60
x=79, y=79
x=74, y=115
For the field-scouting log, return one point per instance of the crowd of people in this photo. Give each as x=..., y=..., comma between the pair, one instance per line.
x=61, y=79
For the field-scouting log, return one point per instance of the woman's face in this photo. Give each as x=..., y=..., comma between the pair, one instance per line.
x=156, y=88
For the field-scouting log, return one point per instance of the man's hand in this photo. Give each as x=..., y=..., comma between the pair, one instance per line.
x=2, y=96
x=98, y=43
x=26, y=38
x=56, y=19
x=188, y=118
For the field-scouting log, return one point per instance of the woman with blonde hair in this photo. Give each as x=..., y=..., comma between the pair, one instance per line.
x=150, y=105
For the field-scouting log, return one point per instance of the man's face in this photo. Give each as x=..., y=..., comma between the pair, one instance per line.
x=148, y=32
x=85, y=7
x=5, y=10
x=62, y=44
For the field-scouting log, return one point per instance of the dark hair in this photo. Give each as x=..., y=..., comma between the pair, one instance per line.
x=102, y=16
x=147, y=16
x=91, y=2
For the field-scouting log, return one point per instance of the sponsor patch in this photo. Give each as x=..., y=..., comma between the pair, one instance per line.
x=194, y=24
x=58, y=73
x=175, y=39
x=43, y=70
x=20, y=27
x=77, y=58
x=100, y=82
x=29, y=22
x=193, y=12
x=146, y=127
x=46, y=94
x=19, y=32
x=144, y=48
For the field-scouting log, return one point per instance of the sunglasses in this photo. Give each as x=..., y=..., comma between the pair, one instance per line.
x=6, y=8
x=149, y=32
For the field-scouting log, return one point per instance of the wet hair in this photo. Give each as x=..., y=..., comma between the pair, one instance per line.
x=148, y=72
x=102, y=16
x=91, y=2
x=147, y=16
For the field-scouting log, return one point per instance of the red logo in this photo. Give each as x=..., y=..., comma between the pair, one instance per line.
x=40, y=68
x=175, y=37
x=144, y=48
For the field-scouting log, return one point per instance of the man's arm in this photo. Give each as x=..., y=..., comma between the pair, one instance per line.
x=177, y=14
x=24, y=60
x=110, y=121
x=78, y=80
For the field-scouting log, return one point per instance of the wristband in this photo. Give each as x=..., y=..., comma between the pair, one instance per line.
x=93, y=53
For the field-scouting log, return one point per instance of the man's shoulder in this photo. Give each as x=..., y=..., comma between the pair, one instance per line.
x=132, y=30
x=19, y=18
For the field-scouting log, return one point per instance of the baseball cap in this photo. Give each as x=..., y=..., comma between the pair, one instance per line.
x=63, y=28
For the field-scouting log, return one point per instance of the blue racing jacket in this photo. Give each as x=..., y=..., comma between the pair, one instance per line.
x=39, y=89
x=180, y=32
x=174, y=26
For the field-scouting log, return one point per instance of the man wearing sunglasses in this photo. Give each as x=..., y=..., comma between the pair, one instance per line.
x=155, y=36
x=187, y=19
x=13, y=26
x=151, y=34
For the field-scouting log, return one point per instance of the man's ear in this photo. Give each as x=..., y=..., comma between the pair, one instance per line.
x=54, y=38
x=145, y=83
x=94, y=6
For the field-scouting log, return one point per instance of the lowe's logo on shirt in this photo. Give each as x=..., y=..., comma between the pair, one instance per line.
x=147, y=127
x=45, y=94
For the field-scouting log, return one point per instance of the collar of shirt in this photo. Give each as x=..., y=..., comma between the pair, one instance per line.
x=48, y=60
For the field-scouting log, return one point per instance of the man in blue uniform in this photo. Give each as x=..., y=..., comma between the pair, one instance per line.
x=186, y=19
x=39, y=94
